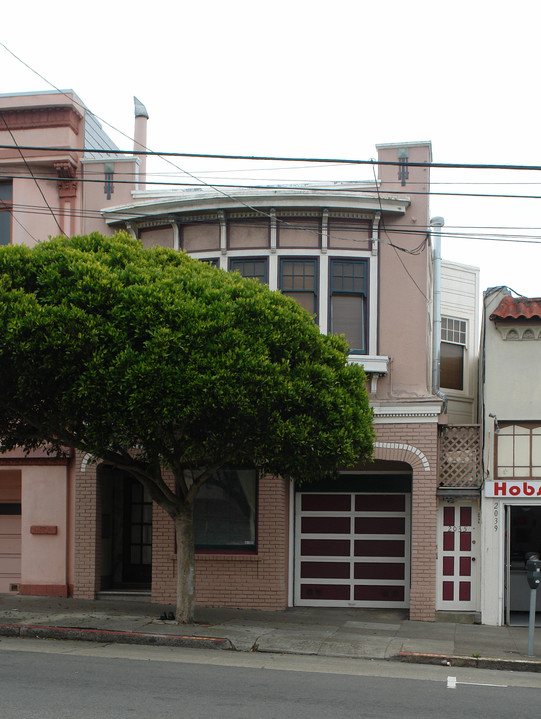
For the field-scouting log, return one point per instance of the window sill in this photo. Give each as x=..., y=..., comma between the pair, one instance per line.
x=226, y=557
x=372, y=363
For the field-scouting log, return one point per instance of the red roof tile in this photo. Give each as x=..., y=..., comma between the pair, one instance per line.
x=518, y=308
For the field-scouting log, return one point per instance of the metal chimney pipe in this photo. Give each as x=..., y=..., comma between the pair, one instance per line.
x=140, y=140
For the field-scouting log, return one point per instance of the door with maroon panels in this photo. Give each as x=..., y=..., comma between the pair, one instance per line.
x=458, y=551
x=352, y=549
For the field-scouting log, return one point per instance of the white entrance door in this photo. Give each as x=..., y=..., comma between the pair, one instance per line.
x=458, y=556
x=352, y=550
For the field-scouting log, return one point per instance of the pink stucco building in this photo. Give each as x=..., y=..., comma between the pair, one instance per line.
x=356, y=255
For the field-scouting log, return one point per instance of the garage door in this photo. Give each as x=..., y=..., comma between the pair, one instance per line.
x=352, y=549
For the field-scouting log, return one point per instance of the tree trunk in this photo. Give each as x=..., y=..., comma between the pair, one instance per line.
x=185, y=567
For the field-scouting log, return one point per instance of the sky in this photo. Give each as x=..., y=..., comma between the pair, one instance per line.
x=309, y=79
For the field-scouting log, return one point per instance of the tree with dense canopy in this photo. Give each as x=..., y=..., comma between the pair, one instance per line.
x=157, y=363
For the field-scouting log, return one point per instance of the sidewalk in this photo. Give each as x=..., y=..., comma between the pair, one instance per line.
x=356, y=633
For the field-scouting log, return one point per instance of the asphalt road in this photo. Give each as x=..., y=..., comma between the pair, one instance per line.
x=48, y=679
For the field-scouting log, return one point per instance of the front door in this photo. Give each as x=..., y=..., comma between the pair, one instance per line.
x=137, y=554
x=458, y=556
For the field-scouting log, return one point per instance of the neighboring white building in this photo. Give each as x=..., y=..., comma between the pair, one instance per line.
x=510, y=410
x=459, y=340
x=459, y=498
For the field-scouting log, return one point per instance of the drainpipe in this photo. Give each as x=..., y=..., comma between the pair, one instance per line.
x=437, y=223
x=140, y=140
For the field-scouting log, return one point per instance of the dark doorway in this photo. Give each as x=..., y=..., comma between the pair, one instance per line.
x=523, y=536
x=126, y=545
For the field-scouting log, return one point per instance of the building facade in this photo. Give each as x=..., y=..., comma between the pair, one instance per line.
x=358, y=257
x=510, y=402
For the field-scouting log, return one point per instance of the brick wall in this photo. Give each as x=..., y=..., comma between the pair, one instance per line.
x=255, y=581
x=86, y=530
x=416, y=444
x=260, y=581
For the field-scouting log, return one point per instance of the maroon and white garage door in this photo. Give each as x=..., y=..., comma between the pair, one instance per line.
x=352, y=549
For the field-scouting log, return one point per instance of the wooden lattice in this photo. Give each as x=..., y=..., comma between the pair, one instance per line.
x=460, y=456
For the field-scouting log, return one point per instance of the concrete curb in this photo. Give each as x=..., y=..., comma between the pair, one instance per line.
x=514, y=665
x=29, y=631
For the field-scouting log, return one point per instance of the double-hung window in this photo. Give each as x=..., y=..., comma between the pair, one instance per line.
x=348, y=285
x=452, y=349
x=298, y=279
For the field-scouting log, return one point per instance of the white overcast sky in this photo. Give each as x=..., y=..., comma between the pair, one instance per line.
x=303, y=78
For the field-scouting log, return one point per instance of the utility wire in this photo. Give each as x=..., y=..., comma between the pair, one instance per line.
x=275, y=158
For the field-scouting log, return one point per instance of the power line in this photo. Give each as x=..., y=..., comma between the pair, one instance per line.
x=274, y=158
x=294, y=186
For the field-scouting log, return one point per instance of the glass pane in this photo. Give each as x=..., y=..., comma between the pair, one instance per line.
x=305, y=299
x=465, y=516
x=325, y=570
x=225, y=510
x=136, y=534
x=147, y=513
x=147, y=535
x=256, y=269
x=325, y=591
x=451, y=366
x=465, y=541
x=348, y=277
x=5, y=227
x=449, y=516
x=325, y=548
x=325, y=525
x=505, y=454
x=326, y=502
x=347, y=318
x=298, y=275
x=464, y=591
x=536, y=449
x=448, y=541
x=522, y=451
x=380, y=503
x=147, y=555
x=448, y=591
x=448, y=566
x=379, y=570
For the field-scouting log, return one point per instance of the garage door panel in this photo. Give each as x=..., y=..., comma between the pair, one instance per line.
x=352, y=550
x=377, y=570
x=380, y=502
x=326, y=525
x=325, y=547
x=325, y=502
x=380, y=525
x=320, y=592
x=325, y=570
x=379, y=593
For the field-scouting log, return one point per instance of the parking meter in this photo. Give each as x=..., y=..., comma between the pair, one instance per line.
x=533, y=570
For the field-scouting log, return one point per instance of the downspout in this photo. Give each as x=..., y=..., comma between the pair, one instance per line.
x=437, y=223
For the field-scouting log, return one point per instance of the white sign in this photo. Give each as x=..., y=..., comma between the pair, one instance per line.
x=513, y=488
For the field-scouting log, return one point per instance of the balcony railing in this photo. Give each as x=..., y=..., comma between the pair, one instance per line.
x=460, y=456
